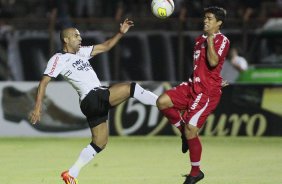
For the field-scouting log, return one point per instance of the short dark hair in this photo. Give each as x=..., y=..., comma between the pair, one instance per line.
x=64, y=33
x=219, y=13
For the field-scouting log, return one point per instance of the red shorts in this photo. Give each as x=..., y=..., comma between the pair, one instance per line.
x=196, y=107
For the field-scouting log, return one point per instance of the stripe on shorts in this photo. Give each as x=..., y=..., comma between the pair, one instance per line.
x=194, y=120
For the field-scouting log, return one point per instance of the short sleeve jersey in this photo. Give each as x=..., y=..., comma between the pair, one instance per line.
x=207, y=79
x=76, y=69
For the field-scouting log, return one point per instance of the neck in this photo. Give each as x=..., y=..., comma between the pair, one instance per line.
x=65, y=49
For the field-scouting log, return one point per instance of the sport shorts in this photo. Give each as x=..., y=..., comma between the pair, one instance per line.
x=196, y=106
x=95, y=106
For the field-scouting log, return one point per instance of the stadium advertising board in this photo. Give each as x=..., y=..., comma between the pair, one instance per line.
x=244, y=110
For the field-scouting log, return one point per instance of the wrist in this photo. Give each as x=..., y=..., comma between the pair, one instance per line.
x=120, y=32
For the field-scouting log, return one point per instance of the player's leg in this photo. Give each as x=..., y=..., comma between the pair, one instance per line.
x=172, y=102
x=195, y=152
x=98, y=143
x=200, y=108
x=122, y=91
x=95, y=107
x=166, y=106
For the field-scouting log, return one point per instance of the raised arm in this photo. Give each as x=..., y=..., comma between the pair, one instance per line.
x=211, y=53
x=35, y=114
x=107, y=45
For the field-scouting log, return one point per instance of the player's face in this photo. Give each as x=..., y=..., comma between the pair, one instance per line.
x=74, y=40
x=211, y=25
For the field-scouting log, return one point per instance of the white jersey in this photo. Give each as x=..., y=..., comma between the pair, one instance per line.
x=76, y=69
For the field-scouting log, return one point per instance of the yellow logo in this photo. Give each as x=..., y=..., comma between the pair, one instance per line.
x=162, y=12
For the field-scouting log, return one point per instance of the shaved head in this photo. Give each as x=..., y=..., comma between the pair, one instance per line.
x=66, y=33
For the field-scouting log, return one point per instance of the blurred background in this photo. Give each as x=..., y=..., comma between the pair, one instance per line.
x=156, y=52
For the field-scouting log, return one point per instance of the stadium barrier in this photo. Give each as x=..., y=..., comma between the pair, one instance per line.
x=244, y=110
x=137, y=56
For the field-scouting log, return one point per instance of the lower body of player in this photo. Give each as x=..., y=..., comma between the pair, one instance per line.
x=95, y=106
x=172, y=106
x=198, y=107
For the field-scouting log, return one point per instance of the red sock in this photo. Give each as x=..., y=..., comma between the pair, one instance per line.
x=195, y=148
x=173, y=116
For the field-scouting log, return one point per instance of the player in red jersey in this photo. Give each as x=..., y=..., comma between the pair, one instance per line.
x=198, y=97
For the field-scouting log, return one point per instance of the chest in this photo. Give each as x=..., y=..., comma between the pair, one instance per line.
x=76, y=64
x=199, y=49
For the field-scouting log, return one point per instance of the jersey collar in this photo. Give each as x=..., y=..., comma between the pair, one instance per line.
x=205, y=36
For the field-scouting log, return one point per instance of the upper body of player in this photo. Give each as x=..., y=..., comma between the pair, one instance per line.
x=210, y=51
x=72, y=63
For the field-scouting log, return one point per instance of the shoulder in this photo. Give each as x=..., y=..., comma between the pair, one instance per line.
x=222, y=37
x=85, y=51
x=59, y=56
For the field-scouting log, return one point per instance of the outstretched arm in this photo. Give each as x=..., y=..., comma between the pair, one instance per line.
x=107, y=45
x=35, y=114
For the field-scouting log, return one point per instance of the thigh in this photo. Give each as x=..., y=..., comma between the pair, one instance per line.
x=119, y=93
x=95, y=106
x=179, y=96
x=200, y=108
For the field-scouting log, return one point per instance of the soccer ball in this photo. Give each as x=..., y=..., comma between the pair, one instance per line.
x=162, y=8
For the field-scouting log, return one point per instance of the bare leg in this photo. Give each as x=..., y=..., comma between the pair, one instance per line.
x=100, y=135
x=99, y=141
x=119, y=93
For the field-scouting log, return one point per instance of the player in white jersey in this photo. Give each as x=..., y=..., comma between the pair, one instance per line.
x=95, y=100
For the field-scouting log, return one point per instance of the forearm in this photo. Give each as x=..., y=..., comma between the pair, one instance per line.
x=40, y=95
x=211, y=54
x=113, y=41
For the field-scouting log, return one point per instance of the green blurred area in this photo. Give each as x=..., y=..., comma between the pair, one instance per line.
x=141, y=160
x=265, y=75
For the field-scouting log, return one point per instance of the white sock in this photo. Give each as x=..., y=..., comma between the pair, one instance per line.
x=144, y=96
x=86, y=155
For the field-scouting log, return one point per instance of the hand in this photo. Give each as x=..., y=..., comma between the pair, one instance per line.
x=124, y=27
x=210, y=38
x=34, y=116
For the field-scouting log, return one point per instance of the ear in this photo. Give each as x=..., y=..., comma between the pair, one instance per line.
x=66, y=40
x=219, y=23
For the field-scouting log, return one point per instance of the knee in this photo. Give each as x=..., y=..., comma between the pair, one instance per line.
x=163, y=102
x=100, y=142
x=191, y=131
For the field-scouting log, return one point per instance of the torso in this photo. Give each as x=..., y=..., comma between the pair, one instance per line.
x=205, y=78
x=76, y=69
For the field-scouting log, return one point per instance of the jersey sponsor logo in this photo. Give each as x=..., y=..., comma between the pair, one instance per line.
x=222, y=46
x=54, y=66
x=81, y=65
x=195, y=104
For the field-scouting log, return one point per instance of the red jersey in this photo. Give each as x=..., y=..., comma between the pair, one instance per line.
x=207, y=79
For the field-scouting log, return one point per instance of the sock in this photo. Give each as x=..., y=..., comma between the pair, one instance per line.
x=195, y=148
x=173, y=116
x=86, y=155
x=144, y=96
